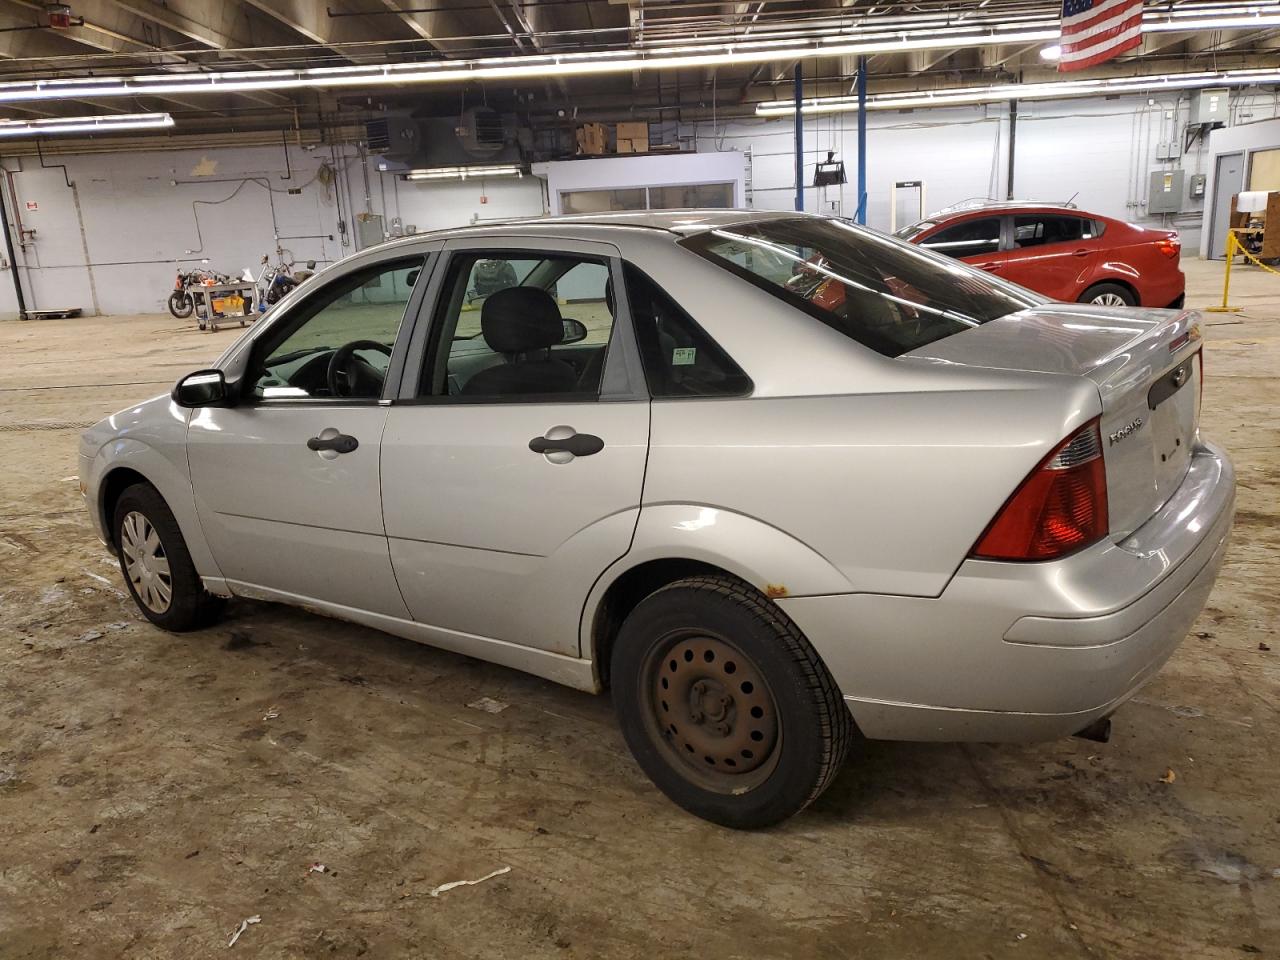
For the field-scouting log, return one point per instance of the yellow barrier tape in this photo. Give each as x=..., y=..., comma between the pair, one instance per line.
x=1254, y=260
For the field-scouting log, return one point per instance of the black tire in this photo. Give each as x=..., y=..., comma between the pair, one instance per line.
x=181, y=304
x=189, y=606
x=1099, y=291
x=678, y=655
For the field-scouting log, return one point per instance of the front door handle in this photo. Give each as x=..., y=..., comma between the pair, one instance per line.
x=1082, y=252
x=564, y=440
x=332, y=441
x=989, y=267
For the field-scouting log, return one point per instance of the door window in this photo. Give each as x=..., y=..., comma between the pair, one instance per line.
x=542, y=330
x=967, y=238
x=337, y=344
x=680, y=358
x=1039, y=230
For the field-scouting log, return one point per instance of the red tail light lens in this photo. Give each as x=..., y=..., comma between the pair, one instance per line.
x=1170, y=247
x=1060, y=507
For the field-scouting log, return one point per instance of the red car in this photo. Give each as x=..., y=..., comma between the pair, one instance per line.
x=1061, y=252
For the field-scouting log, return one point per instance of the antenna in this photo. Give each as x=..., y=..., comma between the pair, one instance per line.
x=1072, y=197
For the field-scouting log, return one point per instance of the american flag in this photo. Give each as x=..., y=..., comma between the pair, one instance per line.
x=1094, y=31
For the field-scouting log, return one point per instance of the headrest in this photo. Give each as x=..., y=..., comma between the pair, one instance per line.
x=519, y=319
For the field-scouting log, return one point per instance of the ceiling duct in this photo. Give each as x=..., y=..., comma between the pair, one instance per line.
x=397, y=138
x=478, y=136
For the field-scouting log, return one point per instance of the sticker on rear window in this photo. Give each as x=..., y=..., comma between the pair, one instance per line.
x=684, y=356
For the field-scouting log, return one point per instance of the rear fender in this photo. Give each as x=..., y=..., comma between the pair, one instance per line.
x=775, y=563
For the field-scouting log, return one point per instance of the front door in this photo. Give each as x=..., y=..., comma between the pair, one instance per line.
x=286, y=481
x=512, y=466
x=975, y=240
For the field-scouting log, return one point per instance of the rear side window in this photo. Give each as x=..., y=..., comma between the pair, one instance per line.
x=1038, y=230
x=887, y=295
x=680, y=359
x=967, y=238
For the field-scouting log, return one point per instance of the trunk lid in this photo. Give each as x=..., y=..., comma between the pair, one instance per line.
x=1147, y=367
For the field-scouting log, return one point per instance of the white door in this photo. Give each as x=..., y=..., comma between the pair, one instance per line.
x=286, y=481
x=508, y=483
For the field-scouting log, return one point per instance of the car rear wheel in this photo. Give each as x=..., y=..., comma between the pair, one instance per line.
x=1109, y=295
x=156, y=564
x=725, y=705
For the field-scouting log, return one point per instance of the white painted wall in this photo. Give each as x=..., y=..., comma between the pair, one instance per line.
x=137, y=220
x=138, y=217
x=1102, y=150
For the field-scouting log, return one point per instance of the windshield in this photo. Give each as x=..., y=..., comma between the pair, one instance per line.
x=887, y=295
x=915, y=229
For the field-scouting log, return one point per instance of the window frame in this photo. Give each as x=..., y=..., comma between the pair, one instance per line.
x=623, y=376
x=284, y=322
x=943, y=228
x=1089, y=223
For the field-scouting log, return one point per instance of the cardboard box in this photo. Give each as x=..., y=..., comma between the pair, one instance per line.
x=633, y=138
x=591, y=139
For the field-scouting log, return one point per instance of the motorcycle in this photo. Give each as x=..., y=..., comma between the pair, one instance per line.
x=276, y=280
x=181, y=303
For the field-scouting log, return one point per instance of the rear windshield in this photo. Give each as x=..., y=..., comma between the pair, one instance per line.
x=887, y=295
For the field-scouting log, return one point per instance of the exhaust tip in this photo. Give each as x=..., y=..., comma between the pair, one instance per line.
x=1099, y=731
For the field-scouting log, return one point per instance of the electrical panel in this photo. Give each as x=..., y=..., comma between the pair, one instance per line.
x=1167, y=150
x=1197, y=186
x=1210, y=106
x=369, y=229
x=1165, y=192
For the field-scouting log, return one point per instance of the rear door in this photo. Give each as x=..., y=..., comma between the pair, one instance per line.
x=975, y=240
x=512, y=470
x=1051, y=253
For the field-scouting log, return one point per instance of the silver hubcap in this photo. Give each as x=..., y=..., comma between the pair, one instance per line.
x=145, y=562
x=1110, y=300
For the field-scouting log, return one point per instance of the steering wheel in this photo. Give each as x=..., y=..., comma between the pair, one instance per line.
x=349, y=375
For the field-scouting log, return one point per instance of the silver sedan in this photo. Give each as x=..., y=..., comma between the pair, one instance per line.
x=776, y=480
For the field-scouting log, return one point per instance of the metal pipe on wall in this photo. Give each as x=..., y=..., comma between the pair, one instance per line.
x=1013, y=136
x=862, y=141
x=13, y=261
x=799, y=95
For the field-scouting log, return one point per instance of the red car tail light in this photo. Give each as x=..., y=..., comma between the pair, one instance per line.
x=1060, y=507
x=1169, y=246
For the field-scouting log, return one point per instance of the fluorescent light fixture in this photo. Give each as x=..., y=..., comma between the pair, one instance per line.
x=874, y=35
x=954, y=96
x=1052, y=52
x=96, y=124
x=465, y=173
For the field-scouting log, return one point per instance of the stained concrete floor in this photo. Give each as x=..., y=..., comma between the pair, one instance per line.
x=157, y=790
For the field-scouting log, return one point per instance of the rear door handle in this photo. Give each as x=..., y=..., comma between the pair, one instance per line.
x=335, y=442
x=576, y=444
x=989, y=267
x=1081, y=253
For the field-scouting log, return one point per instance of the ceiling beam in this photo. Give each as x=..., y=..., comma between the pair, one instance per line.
x=311, y=20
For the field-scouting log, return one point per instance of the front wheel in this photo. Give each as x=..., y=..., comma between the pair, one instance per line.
x=725, y=705
x=1109, y=295
x=181, y=304
x=156, y=564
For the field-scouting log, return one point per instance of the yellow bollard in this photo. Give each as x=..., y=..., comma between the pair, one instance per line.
x=1232, y=243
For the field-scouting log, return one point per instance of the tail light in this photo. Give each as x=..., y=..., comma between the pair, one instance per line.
x=1170, y=247
x=1060, y=507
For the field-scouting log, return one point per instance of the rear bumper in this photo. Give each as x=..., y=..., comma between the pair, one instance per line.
x=1035, y=651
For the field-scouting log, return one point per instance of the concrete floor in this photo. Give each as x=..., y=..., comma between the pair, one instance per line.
x=149, y=800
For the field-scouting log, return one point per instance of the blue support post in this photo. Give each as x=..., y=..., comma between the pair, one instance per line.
x=862, y=140
x=799, y=95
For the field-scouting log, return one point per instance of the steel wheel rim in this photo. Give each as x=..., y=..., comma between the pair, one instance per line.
x=145, y=562
x=1110, y=300
x=710, y=710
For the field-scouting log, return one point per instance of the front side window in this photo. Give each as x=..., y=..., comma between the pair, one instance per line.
x=539, y=328
x=680, y=358
x=967, y=238
x=337, y=343
x=1040, y=230
x=885, y=294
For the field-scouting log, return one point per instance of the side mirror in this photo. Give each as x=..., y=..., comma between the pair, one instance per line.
x=575, y=331
x=411, y=278
x=204, y=388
